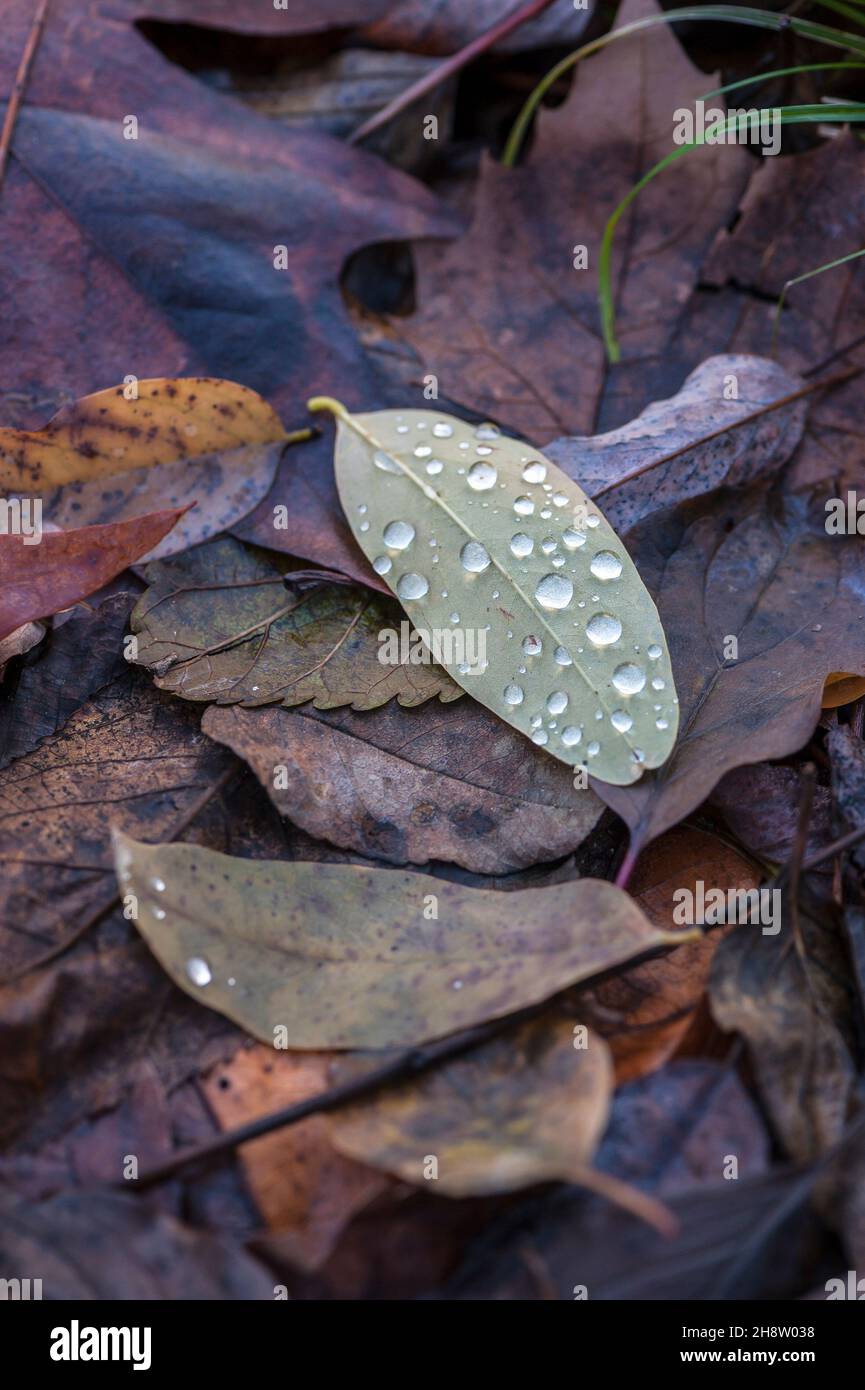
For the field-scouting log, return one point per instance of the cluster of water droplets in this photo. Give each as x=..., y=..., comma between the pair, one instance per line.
x=196, y=968
x=554, y=591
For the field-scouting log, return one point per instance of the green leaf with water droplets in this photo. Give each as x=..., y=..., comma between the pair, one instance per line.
x=523, y=590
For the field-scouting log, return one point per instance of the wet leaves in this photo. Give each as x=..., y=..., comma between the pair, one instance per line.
x=269, y=945
x=477, y=535
x=290, y=780
x=220, y=625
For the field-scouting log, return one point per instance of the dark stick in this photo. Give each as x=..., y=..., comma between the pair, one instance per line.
x=401, y=1067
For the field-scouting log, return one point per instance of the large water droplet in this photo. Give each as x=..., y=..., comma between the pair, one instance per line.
x=398, y=535
x=382, y=564
x=557, y=702
x=486, y=431
x=571, y=735
x=540, y=736
x=606, y=565
x=481, y=476
x=603, y=628
x=559, y=499
x=661, y=724
x=532, y=646
x=198, y=971
x=562, y=657
x=629, y=678
x=593, y=520
x=573, y=539
x=422, y=451
x=521, y=545
x=554, y=591
x=534, y=472
x=412, y=586
x=621, y=720
x=548, y=545
x=385, y=462
x=653, y=652
x=514, y=694
x=524, y=506
x=658, y=684
x=442, y=430
x=474, y=557
x=593, y=749
x=434, y=466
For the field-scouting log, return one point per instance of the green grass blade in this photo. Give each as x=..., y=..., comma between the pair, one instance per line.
x=848, y=11
x=788, y=115
x=797, y=280
x=782, y=72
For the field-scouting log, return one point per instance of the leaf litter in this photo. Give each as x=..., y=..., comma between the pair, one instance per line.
x=263, y=747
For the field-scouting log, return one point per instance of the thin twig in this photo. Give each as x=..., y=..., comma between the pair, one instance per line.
x=21, y=79
x=446, y=69
x=797, y=852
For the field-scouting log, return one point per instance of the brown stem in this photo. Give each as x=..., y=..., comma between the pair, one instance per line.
x=21, y=77
x=441, y=71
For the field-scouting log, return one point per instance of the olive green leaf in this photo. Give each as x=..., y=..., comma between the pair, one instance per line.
x=218, y=623
x=342, y=956
x=480, y=534
x=526, y=1108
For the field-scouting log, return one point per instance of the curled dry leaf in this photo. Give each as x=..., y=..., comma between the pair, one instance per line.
x=219, y=624
x=480, y=533
x=335, y=955
x=691, y=443
x=124, y=451
x=38, y=580
x=527, y=1108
